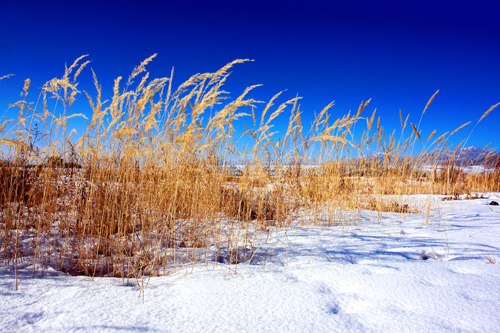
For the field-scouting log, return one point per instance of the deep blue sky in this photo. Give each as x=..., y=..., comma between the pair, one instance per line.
x=396, y=52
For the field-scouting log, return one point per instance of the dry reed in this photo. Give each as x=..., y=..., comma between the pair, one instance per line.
x=151, y=186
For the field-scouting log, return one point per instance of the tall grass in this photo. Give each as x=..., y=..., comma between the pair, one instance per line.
x=150, y=187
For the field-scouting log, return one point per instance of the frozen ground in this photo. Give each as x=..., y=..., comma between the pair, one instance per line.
x=370, y=277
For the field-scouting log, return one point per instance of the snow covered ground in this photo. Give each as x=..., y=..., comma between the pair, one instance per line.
x=388, y=273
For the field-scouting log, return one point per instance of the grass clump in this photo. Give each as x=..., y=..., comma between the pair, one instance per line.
x=147, y=188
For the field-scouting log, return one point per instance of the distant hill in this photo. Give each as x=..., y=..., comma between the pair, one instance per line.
x=471, y=156
x=466, y=156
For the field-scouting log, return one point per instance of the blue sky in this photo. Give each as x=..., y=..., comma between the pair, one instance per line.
x=396, y=53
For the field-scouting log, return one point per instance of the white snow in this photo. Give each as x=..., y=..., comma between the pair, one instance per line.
x=370, y=277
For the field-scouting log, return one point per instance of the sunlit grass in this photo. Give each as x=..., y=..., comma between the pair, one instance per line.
x=150, y=186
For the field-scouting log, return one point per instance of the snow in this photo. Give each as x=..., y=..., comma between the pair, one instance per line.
x=370, y=276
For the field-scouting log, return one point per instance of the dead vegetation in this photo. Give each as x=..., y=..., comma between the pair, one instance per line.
x=146, y=189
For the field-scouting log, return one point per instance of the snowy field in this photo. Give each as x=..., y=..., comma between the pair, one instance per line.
x=386, y=273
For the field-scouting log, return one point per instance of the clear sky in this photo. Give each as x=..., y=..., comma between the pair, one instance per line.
x=396, y=52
